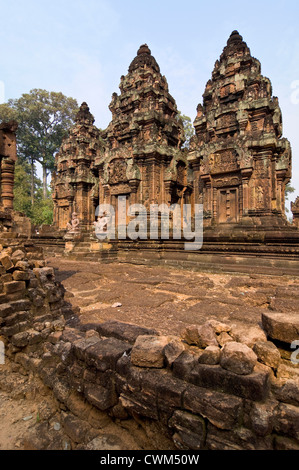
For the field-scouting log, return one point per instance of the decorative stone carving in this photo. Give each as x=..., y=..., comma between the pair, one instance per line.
x=238, y=130
x=117, y=171
x=101, y=224
x=73, y=181
x=74, y=225
x=238, y=163
x=143, y=139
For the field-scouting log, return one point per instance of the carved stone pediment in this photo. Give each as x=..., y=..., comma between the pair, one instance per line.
x=121, y=188
x=117, y=170
x=227, y=181
x=223, y=161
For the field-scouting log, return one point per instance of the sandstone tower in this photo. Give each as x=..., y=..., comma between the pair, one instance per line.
x=8, y=157
x=240, y=161
x=143, y=159
x=237, y=166
x=74, y=185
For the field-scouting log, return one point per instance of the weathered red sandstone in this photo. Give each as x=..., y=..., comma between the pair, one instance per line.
x=216, y=386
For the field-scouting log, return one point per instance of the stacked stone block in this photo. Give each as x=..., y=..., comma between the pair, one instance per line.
x=203, y=390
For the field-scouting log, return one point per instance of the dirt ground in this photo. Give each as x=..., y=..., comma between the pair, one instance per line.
x=163, y=298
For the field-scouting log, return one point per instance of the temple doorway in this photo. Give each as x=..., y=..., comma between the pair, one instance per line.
x=228, y=205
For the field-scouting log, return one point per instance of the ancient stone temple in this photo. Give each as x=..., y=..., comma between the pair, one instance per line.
x=138, y=156
x=143, y=160
x=240, y=161
x=75, y=189
x=237, y=166
x=8, y=157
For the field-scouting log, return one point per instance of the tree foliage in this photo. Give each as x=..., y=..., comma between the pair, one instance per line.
x=41, y=212
x=288, y=190
x=44, y=118
x=188, y=128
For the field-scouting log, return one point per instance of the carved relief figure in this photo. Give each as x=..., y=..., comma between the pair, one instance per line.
x=117, y=171
x=74, y=225
x=102, y=223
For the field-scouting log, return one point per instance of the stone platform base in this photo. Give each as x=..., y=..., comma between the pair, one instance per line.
x=221, y=256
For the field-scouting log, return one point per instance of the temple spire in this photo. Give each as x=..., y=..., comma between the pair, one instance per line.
x=143, y=58
x=84, y=114
x=234, y=38
x=144, y=49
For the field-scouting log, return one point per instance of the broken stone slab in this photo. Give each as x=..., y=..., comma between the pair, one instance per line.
x=71, y=335
x=139, y=404
x=219, y=327
x=281, y=326
x=17, y=255
x=262, y=416
x=288, y=392
x=248, y=335
x=123, y=331
x=101, y=397
x=107, y=442
x=201, y=336
x=14, y=286
x=81, y=345
x=91, y=333
x=5, y=310
x=20, y=276
x=287, y=370
x=238, y=358
x=45, y=274
x=287, y=420
x=20, y=339
x=105, y=353
x=22, y=265
x=22, y=304
x=255, y=386
x=184, y=365
x=238, y=439
x=267, y=353
x=75, y=428
x=224, y=338
x=190, y=430
x=173, y=350
x=6, y=262
x=211, y=355
x=220, y=409
x=148, y=351
x=161, y=384
x=127, y=373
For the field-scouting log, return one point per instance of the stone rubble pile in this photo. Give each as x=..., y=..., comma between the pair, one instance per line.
x=32, y=304
x=203, y=390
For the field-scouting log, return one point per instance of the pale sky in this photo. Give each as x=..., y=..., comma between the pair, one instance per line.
x=82, y=48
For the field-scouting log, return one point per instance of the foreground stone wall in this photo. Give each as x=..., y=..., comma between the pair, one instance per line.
x=203, y=390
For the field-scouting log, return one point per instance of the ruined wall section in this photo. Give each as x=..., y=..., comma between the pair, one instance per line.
x=203, y=390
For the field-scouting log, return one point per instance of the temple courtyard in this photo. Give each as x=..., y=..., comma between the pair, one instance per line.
x=165, y=299
x=168, y=299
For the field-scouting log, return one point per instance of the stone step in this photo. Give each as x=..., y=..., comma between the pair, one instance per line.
x=91, y=257
x=79, y=249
